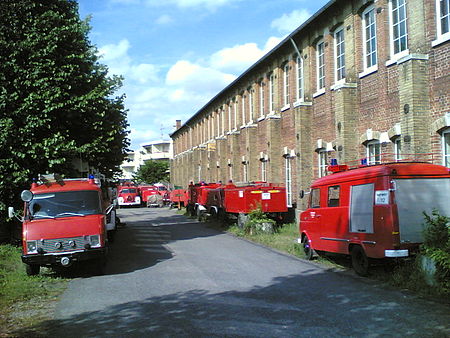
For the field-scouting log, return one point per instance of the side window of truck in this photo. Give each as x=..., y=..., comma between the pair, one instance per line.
x=314, y=201
x=333, y=196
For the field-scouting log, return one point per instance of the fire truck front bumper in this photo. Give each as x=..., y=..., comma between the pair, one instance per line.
x=396, y=253
x=64, y=258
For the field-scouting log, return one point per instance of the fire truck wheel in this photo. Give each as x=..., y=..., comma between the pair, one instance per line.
x=309, y=252
x=32, y=269
x=360, y=262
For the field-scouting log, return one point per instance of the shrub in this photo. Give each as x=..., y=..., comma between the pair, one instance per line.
x=436, y=245
x=256, y=219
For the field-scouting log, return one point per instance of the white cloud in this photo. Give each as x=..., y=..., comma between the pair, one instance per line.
x=287, y=23
x=144, y=72
x=114, y=51
x=119, y=63
x=142, y=135
x=208, y=4
x=238, y=58
x=193, y=77
x=164, y=20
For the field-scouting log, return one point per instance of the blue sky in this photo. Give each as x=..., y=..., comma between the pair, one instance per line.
x=175, y=55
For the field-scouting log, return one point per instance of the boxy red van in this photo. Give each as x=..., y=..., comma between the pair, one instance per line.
x=373, y=211
x=64, y=221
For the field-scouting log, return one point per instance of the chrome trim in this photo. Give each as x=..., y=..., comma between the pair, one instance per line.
x=369, y=242
x=335, y=239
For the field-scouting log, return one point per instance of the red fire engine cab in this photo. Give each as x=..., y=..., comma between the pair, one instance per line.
x=64, y=221
x=128, y=195
x=373, y=211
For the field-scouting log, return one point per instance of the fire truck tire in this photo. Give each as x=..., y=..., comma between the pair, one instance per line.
x=32, y=269
x=360, y=262
x=309, y=252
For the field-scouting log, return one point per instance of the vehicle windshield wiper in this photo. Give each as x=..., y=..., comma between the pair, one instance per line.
x=69, y=214
x=42, y=216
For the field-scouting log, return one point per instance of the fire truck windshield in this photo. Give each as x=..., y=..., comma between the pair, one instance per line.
x=65, y=204
x=128, y=191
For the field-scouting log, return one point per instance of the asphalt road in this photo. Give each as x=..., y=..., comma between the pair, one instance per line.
x=168, y=275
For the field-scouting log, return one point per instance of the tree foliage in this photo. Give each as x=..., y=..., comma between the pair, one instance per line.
x=56, y=99
x=152, y=172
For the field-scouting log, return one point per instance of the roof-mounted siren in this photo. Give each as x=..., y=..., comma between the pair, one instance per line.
x=334, y=167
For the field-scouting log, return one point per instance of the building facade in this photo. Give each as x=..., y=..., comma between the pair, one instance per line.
x=359, y=79
x=156, y=150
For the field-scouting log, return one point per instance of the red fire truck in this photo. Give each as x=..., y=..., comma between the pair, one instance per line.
x=146, y=191
x=238, y=201
x=64, y=221
x=179, y=198
x=197, y=196
x=373, y=211
x=128, y=195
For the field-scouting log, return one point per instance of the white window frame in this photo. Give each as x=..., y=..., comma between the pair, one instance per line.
x=261, y=99
x=300, y=79
x=339, y=55
x=288, y=177
x=371, y=152
x=245, y=171
x=271, y=93
x=446, y=148
x=286, y=85
x=372, y=67
x=264, y=170
x=322, y=162
x=229, y=117
x=250, y=105
x=218, y=122
x=398, y=148
x=244, y=119
x=440, y=17
x=320, y=57
x=394, y=26
x=222, y=115
x=235, y=113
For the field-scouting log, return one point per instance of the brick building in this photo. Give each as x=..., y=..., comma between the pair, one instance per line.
x=358, y=79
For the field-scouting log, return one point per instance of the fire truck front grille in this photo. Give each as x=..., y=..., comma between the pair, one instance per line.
x=62, y=244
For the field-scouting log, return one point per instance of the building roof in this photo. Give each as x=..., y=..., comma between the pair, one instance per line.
x=267, y=56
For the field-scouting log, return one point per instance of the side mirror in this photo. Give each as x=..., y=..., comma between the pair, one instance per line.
x=109, y=209
x=26, y=196
x=11, y=212
x=302, y=193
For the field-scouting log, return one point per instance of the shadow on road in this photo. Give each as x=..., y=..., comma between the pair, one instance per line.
x=314, y=304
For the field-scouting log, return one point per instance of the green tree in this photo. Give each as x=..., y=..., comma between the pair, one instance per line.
x=152, y=172
x=56, y=99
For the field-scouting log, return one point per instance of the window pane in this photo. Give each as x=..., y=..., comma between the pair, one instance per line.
x=315, y=198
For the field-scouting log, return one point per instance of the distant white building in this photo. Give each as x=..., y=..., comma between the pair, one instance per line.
x=156, y=150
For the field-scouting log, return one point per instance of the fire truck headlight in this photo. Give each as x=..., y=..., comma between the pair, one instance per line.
x=138, y=199
x=95, y=241
x=120, y=199
x=31, y=247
